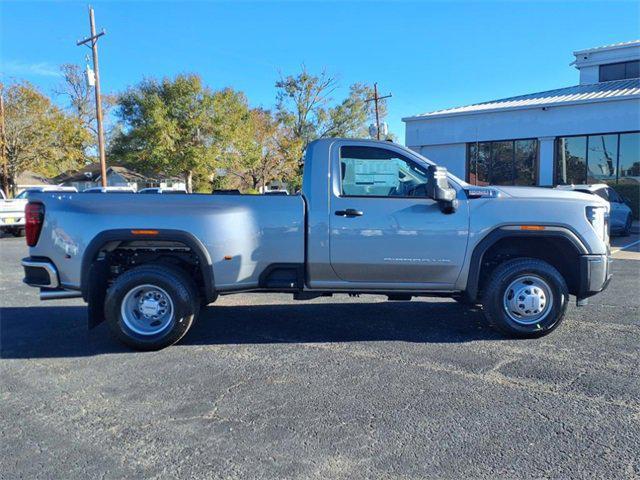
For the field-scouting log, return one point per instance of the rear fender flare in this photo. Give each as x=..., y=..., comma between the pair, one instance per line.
x=191, y=241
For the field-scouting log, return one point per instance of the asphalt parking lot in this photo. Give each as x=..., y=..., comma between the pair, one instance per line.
x=265, y=387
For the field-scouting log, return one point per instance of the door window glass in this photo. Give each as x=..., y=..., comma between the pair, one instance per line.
x=378, y=172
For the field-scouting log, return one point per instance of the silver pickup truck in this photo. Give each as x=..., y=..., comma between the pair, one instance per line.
x=372, y=217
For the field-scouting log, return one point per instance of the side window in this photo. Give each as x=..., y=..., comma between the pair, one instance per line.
x=613, y=196
x=602, y=193
x=378, y=172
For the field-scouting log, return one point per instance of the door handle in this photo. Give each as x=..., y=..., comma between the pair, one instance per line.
x=349, y=212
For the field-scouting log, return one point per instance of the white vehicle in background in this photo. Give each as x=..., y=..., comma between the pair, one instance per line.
x=12, y=215
x=109, y=190
x=620, y=215
x=12, y=210
x=155, y=190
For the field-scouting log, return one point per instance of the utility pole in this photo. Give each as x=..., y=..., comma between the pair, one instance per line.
x=376, y=99
x=3, y=147
x=93, y=40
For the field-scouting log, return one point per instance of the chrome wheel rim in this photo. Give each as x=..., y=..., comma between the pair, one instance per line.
x=147, y=310
x=528, y=300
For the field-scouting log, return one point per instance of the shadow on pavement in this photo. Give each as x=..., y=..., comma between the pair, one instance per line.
x=40, y=332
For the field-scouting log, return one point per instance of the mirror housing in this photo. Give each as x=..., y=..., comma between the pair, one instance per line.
x=438, y=188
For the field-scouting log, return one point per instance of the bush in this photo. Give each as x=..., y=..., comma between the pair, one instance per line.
x=631, y=192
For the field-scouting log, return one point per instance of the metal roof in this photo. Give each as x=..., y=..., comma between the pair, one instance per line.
x=595, y=92
x=608, y=47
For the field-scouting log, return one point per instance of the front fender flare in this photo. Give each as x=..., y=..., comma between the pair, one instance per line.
x=506, y=231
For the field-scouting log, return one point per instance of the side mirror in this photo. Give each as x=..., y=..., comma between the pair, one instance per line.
x=438, y=188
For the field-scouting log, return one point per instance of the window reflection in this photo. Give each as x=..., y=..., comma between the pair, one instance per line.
x=602, y=158
x=571, y=160
x=510, y=162
x=629, y=170
x=598, y=158
x=526, y=154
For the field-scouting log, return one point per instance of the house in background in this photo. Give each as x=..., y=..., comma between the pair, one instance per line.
x=117, y=176
x=29, y=179
x=587, y=133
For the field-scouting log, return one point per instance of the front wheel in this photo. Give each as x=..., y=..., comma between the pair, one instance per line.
x=525, y=297
x=151, y=307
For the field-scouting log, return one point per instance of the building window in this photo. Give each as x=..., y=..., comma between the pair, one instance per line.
x=611, y=157
x=509, y=162
x=629, y=158
x=620, y=71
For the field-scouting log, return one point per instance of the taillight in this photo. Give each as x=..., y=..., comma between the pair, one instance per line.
x=34, y=217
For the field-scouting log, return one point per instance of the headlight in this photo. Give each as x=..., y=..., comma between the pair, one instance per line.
x=599, y=219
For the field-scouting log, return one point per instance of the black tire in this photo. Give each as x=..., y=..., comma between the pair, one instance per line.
x=18, y=232
x=626, y=231
x=179, y=288
x=495, y=293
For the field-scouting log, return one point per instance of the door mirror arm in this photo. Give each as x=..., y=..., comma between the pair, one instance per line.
x=439, y=189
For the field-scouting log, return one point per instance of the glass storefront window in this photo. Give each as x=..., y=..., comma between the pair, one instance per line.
x=571, y=160
x=525, y=168
x=602, y=158
x=509, y=162
x=609, y=158
x=479, y=154
x=629, y=160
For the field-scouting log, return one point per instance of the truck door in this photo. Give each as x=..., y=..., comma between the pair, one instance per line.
x=383, y=228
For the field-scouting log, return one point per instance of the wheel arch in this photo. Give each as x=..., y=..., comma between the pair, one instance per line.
x=530, y=243
x=100, y=241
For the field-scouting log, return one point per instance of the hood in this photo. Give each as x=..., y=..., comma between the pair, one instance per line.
x=548, y=193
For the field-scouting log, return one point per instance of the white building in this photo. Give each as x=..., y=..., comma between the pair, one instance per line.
x=584, y=133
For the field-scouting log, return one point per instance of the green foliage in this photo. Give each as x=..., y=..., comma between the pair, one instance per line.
x=40, y=136
x=180, y=127
x=306, y=112
x=167, y=127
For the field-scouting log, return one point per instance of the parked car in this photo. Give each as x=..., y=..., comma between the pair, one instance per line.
x=162, y=190
x=373, y=217
x=620, y=216
x=12, y=215
x=12, y=210
x=109, y=190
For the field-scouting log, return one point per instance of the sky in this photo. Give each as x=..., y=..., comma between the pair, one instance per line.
x=428, y=55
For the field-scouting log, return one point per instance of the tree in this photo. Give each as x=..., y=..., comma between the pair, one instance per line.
x=167, y=126
x=260, y=157
x=306, y=111
x=80, y=98
x=40, y=136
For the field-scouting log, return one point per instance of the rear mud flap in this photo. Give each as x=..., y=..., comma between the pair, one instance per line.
x=96, y=291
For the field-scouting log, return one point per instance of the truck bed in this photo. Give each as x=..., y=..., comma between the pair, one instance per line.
x=243, y=234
